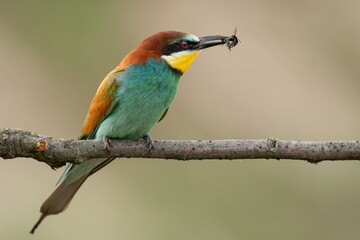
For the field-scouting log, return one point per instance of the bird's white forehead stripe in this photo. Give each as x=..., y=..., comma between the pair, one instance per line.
x=192, y=38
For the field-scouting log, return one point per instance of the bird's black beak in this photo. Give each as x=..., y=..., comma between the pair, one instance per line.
x=211, y=41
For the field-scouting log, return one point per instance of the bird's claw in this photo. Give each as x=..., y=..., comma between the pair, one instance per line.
x=107, y=143
x=149, y=143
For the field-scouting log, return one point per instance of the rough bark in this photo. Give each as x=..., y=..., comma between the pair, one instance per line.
x=56, y=152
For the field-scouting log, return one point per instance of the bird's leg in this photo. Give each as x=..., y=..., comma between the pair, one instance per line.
x=107, y=143
x=149, y=142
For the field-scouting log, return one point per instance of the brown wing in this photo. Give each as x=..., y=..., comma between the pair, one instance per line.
x=100, y=104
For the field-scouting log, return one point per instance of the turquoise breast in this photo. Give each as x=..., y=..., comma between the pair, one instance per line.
x=145, y=92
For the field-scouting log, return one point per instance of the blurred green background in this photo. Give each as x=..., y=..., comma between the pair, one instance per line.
x=296, y=76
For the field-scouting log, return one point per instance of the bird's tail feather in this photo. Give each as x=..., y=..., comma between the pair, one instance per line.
x=58, y=201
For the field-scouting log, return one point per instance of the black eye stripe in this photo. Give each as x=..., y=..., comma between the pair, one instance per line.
x=177, y=47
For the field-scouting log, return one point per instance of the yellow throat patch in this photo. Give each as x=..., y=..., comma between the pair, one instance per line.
x=181, y=60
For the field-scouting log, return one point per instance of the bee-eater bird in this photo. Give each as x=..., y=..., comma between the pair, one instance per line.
x=130, y=101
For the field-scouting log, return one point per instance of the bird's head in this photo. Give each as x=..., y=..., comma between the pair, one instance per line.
x=176, y=48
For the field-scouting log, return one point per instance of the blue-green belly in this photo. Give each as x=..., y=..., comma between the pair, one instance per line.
x=145, y=92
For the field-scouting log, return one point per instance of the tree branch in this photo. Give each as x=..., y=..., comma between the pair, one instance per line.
x=56, y=152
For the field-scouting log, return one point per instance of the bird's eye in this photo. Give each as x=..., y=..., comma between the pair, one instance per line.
x=184, y=44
